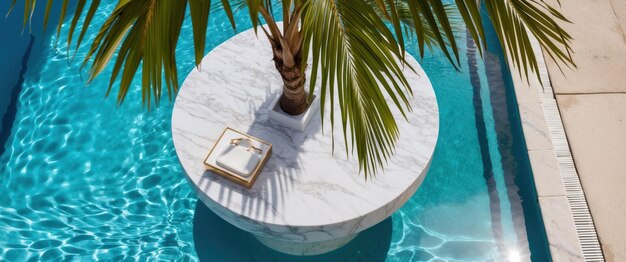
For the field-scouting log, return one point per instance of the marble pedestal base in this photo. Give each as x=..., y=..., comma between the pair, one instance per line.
x=304, y=248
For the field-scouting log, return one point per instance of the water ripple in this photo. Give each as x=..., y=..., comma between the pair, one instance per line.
x=85, y=179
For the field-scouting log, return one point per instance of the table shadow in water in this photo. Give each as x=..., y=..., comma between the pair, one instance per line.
x=217, y=240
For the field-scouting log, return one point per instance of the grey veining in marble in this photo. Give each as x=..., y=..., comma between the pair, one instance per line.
x=564, y=245
x=305, y=192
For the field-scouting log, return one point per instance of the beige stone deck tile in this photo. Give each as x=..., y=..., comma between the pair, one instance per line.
x=619, y=6
x=599, y=48
x=596, y=129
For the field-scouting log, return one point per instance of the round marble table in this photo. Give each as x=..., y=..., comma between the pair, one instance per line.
x=307, y=200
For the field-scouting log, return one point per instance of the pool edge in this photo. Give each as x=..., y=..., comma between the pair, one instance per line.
x=566, y=216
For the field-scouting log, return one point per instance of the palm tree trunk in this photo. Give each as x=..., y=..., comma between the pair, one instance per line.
x=293, y=101
x=286, y=47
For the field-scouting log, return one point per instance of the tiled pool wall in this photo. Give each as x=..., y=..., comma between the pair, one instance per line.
x=498, y=91
x=22, y=48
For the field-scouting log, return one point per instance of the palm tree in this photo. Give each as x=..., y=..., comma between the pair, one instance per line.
x=357, y=46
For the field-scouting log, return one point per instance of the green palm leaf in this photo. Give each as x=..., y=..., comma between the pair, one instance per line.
x=357, y=52
x=514, y=19
x=144, y=31
x=355, y=48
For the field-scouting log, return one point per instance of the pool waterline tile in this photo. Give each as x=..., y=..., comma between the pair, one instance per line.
x=564, y=244
x=545, y=115
x=546, y=173
x=535, y=129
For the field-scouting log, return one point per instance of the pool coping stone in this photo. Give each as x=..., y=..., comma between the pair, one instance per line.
x=566, y=217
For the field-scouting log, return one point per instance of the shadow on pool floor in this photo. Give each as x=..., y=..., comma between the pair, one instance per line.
x=217, y=240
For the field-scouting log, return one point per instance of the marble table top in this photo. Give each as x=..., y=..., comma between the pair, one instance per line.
x=305, y=192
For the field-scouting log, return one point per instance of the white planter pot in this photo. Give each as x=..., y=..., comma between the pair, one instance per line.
x=298, y=122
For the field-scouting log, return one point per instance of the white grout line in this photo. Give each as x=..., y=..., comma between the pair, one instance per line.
x=583, y=221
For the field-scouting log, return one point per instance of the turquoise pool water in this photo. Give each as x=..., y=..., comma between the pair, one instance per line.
x=83, y=179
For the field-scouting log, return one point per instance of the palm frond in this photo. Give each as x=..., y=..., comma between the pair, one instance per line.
x=355, y=54
x=515, y=20
x=436, y=18
x=358, y=49
x=415, y=25
x=200, y=10
x=144, y=31
x=470, y=11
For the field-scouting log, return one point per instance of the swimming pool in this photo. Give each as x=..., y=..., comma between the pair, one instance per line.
x=86, y=179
